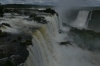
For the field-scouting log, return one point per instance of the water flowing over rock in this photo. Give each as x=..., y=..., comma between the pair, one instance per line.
x=41, y=38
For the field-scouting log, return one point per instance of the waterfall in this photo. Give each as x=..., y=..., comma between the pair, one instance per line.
x=47, y=51
x=81, y=20
x=89, y=18
x=53, y=24
x=41, y=53
x=54, y=44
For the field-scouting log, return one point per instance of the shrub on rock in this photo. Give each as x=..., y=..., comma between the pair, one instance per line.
x=49, y=10
x=32, y=15
x=39, y=19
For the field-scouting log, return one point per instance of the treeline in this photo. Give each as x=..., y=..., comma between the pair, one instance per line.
x=48, y=10
x=25, y=6
x=15, y=8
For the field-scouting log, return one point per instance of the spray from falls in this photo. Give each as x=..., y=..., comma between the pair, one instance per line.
x=43, y=44
x=47, y=51
x=53, y=48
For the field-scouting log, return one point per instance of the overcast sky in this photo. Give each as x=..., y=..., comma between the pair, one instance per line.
x=86, y=2
x=27, y=1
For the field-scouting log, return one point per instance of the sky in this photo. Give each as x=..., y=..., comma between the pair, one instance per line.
x=28, y=1
x=86, y=2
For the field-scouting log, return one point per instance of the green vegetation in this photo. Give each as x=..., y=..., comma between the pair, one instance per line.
x=85, y=32
x=49, y=10
x=2, y=55
x=6, y=63
x=39, y=19
x=94, y=22
x=95, y=15
x=86, y=39
x=25, y=6
x=19, y=38
x=32, y=16
x=9, y=63
x=3, y=34
x=14, y=40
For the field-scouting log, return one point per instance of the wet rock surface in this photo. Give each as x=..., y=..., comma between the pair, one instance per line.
x=12, y=52
x=65, y=43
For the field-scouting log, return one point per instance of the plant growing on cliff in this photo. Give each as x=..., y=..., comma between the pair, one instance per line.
x=39, y=19
x=49, y=10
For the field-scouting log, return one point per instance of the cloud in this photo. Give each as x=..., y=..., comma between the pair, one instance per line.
x=28, y=1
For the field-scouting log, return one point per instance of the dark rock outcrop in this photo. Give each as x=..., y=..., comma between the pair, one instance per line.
x=65, y=43
x=12, y=53
x=6, y=24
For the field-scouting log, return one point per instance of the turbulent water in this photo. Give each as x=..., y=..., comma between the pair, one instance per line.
x=47, y=51
x=53, y=44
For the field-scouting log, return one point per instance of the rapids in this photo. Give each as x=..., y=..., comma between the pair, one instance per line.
x=47, y=51
x=83, y=49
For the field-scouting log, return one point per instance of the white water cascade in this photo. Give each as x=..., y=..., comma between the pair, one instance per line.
x=42, y=53
x=81, y=21
x=46, y=50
